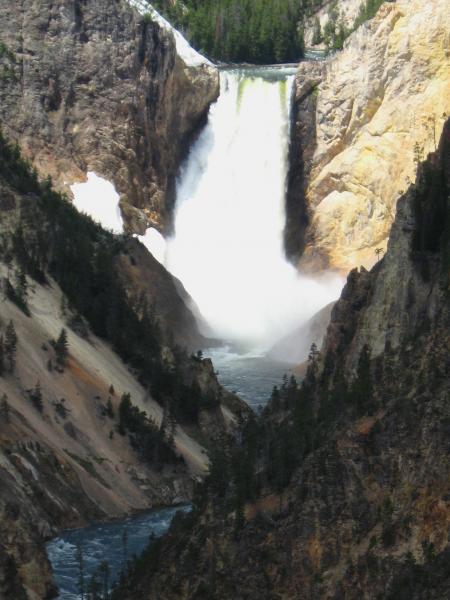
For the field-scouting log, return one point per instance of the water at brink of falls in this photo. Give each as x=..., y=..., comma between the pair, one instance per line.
x=227, y=248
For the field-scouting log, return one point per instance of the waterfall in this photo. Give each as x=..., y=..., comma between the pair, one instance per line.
x=227, y=246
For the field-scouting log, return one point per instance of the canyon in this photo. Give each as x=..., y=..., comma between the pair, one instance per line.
x=365, y=511
x=351, y=504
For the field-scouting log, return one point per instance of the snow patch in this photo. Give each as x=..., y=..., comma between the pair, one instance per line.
x=155, y=244
x=98, y=198
x=191, y=57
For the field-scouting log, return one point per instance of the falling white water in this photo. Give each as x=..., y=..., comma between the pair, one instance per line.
x=227, y=248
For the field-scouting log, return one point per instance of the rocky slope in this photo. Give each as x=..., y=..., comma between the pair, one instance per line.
x=95, y=86
x=362, y=120
x=366, y=511
x=65, y=459
x=67, y=465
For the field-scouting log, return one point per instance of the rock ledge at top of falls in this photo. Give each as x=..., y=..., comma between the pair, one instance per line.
x=357, y=119
x=95, y=86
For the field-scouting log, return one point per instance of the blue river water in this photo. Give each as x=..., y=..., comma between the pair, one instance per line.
x=250, y=375
x=115, y=542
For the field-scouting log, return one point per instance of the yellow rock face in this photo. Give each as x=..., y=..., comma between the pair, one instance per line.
x=380, y=108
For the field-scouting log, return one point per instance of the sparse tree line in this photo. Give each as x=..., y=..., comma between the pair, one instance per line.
x=272, y=445
x=8, y=354
x=266, y=452
x=155, y=444
x=68, y=247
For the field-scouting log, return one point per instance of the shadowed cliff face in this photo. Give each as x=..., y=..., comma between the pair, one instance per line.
x=362, y=120
x=366, y=512
x=95, y=86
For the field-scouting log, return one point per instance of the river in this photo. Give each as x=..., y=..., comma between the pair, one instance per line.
x=114, y=542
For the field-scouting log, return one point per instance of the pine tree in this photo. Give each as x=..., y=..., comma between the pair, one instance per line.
x=4, y=410
x=36, y=397
x=125, y=409
x=80, y=563
x=125, y=545
x=313, y=364
x=94, y=587
x=317, y=32
x=362, y=388
x=10, y=346
x=109, y=409
x=2, y=355
x=218, y=475
x=275, y=398
x=104, y=573
x=21, y=285
x=62, y=348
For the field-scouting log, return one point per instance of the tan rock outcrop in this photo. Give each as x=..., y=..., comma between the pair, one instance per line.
x=378, y=106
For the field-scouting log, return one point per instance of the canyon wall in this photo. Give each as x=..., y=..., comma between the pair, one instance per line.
x=96, y=86
x=362, y=121
x=366, y=512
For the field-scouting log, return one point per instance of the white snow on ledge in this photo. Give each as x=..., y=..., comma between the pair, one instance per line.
x=98, y=198
x=185, y=51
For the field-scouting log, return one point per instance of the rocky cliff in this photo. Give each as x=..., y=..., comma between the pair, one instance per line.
x=96, y=86
x=365, y=511
x=362, y=120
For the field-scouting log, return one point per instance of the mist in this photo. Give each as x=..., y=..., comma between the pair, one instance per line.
x=227, y=246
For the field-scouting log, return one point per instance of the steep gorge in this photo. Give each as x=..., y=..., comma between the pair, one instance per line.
x=366, y=511
x=367, y=491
